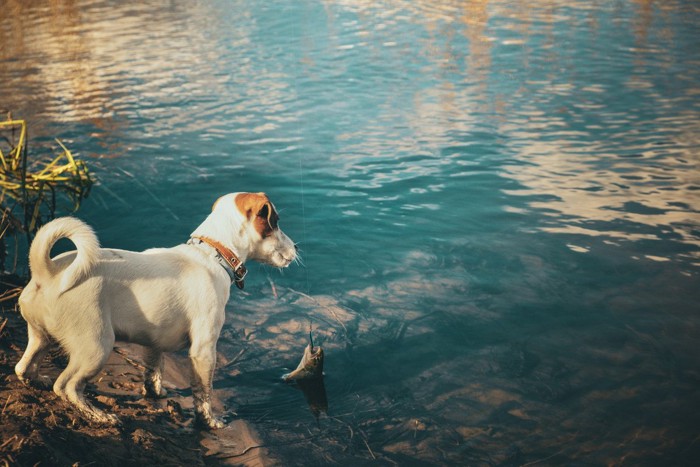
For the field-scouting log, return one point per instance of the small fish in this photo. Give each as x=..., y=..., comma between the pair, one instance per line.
x=311, y=365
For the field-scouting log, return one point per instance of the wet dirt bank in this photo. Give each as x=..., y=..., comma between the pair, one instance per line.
x=36, y=427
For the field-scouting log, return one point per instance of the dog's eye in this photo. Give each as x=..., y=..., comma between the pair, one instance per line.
x=268, y=214
x=264, y=211
x=273, y=220
x=263, y=227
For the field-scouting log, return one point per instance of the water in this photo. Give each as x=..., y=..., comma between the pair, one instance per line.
x=497, y=205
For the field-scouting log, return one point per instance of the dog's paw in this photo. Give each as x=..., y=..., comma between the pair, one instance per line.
x=40, y=381
x=209, y=421
x=96, y=416
x=149, y=392
x=23, y=379
x=103, y=419
x=216, y=424
x=43, y=381
x=111, y=419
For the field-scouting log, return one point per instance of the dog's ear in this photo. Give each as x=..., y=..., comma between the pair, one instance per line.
x=250, y=204
x=258, y=205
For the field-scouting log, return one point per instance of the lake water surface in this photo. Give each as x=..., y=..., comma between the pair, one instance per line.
x=497, y=204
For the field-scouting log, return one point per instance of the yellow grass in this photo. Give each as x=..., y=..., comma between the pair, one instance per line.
x=28, y=188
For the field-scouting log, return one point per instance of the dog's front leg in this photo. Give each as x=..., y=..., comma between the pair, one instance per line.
x=203, y=358
x=153, y=375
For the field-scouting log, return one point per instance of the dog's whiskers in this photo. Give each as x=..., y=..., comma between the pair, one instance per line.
x=298, y=261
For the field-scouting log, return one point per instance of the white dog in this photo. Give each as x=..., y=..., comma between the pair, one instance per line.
x=162, y=298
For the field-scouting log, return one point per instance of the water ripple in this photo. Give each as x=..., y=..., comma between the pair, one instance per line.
x=489, y=196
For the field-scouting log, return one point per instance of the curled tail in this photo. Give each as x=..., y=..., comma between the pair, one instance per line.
x=85, y=240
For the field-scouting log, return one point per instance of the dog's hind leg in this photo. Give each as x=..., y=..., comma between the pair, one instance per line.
x=85, y=362
x=203, y=358
x=153, y=376
x=27, y=369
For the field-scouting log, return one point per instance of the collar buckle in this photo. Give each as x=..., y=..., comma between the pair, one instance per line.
x=239, y=275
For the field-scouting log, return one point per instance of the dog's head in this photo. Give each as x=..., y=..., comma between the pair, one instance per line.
x=255, y=222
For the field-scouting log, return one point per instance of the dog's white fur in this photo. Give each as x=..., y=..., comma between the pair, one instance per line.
x=162, y=298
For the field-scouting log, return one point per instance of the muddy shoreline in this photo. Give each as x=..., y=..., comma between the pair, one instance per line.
x=36, y=427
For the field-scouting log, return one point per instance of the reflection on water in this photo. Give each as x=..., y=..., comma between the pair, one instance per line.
x=315, y=394
x=497, y=203
x=648, y=182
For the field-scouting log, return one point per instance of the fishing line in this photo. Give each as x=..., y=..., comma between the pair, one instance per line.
x=301, y=153
x=303, y=212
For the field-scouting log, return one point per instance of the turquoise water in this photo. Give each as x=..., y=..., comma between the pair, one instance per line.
x=497, y=204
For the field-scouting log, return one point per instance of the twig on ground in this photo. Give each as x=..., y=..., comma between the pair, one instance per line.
x=9, y=440
x=10, y=294
x=272, y=286
x=368, y=448
x=259, y=446
x=130, y=360
x=236, y=358
x=242, y=453
x=5, y=406
x=352, y=432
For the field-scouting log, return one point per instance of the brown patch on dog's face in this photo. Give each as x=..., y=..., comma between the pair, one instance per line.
x=258, y=205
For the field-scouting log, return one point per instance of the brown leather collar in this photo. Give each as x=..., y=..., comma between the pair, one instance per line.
x=239, y=270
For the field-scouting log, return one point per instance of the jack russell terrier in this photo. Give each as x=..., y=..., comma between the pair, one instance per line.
x=162, y=298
